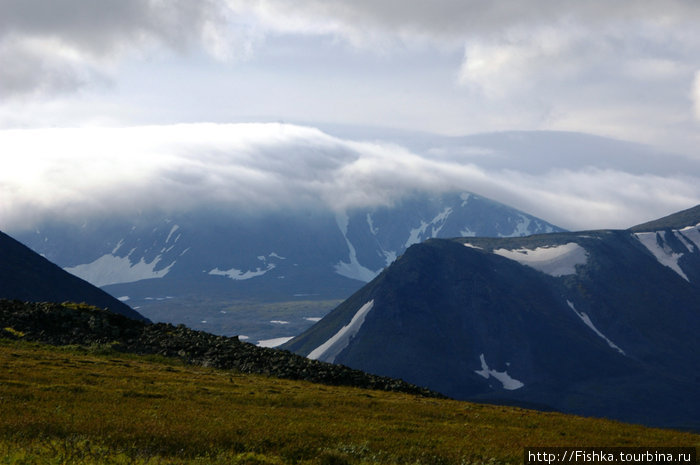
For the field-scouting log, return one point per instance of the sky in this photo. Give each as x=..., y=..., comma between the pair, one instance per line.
x=124, y=103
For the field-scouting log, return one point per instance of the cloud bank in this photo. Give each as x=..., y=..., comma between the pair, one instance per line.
x=74, y=173
x=625, y=69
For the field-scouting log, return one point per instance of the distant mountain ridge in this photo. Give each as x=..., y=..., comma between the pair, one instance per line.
x=25, y=275
x=187, y=267
x=600, y=323
x=677, y=220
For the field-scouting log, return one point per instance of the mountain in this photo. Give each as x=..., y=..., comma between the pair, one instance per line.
x=25, y=275
x=261, y=275
x=598, y=323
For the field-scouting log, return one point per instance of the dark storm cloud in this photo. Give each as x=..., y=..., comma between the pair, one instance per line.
x=61, y=45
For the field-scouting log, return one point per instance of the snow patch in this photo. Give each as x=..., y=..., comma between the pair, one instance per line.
x=158, y=298
x=278, y=341
x=315, y=319
x=279, y=322
x=472, y=246
x=172, y=231
x=416, y=235
x=690, y=236
x=389, y=257
x=274, y=255
x=685, y=241
x=556, y=261
x=329, y=350
x=119, y=244
x=123, y=298
x=587, y=320
x=370, y=223
x=239, y=275
x=465, y=198
x=506, y=380
x=440, y=218
x=655, y=242
x=522, y=228
x=109, y=269
x=353, y=269
x=692, y=233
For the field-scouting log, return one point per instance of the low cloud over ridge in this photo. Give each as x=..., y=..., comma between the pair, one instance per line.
x=76, y=172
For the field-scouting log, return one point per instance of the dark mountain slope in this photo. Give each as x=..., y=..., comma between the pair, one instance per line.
x=25, y=275
x=674, y=221
x=594, y=323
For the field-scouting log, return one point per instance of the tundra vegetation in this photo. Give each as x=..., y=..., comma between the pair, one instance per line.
x=94, y=404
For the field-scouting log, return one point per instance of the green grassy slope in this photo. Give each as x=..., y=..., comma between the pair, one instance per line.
x=78, y=406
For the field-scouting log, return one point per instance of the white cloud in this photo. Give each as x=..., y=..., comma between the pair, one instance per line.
x=54, y=47
x=695, y=96
x=621, y=69
x=77, y=172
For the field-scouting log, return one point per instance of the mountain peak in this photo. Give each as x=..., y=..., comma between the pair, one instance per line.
x=26, y=275
x=597, y=323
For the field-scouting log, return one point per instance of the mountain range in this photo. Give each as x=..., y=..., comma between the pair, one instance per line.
x=598, y=323
x=260, y=275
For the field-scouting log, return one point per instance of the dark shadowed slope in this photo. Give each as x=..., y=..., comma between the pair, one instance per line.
x=600, y=323
x=26, y=275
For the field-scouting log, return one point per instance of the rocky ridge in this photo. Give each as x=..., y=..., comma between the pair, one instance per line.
x=83, y=325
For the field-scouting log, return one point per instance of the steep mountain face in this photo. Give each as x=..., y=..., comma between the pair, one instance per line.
x=27, y=276
x=600, y=323
x=189, y=267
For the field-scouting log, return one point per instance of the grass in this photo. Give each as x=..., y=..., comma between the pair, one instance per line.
x=84, y=406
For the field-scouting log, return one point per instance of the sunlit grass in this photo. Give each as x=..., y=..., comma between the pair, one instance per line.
x=70, y=405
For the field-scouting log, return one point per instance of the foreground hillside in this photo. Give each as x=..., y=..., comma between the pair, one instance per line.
x=79, y=324
x=80, y=406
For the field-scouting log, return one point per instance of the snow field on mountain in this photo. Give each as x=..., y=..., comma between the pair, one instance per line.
x=509, y=383
x=239, y=275
x=417, y=235
x=587, y=320
x=109, y=269
x=329, y=350
x=656, y=243
x=352, y=269
x=278, y=341
x=560, y=260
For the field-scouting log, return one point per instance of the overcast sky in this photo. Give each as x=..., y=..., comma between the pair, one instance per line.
x=628, y=70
